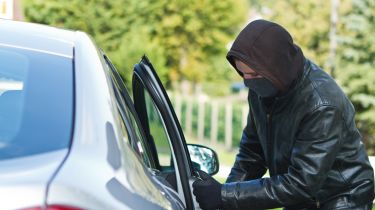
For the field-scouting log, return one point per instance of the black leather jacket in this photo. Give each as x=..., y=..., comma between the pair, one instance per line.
x=309, y=142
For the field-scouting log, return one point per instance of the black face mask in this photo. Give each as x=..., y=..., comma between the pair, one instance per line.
x=262, y=87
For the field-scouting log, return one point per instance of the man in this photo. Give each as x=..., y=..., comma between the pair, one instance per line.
x=300, y=127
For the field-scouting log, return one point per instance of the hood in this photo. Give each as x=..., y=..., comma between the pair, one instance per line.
x=268, y=49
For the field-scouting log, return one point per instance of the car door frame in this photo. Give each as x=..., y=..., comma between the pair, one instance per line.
x=124, y=100
x=145, y=78
x=126, y=108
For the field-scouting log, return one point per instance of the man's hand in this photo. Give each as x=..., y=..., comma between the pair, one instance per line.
x=207, y=192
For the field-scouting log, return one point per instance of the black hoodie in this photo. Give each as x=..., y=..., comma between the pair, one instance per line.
x=268, y=49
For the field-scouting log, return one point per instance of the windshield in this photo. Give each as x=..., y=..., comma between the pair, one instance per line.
x=36, y=102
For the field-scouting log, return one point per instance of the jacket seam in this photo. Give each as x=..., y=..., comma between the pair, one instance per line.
x=340, y=144
x=339, y=140
x=340, y=167
x=325, y=105
x=320, y=102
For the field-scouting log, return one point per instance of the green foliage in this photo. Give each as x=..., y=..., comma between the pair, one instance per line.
x=307, y=22
x=219, y=79
x=180, y=37
x=357, y=63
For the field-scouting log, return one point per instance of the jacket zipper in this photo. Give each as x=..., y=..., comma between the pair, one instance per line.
x=317, y=204
x=269, y=131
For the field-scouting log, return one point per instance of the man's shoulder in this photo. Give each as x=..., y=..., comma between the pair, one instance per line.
x=321, y=89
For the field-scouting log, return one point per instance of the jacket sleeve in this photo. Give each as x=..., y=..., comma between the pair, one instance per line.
x=249, y=163
x=316, y=146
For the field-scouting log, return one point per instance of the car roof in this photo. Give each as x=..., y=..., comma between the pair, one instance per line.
x=37, y=37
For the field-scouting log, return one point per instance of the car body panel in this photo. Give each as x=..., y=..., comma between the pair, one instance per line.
x=37, y=37
x=23, y=181
x=95, y=163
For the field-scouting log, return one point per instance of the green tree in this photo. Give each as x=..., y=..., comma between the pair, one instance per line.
x=109, y=24
x=181, y=37
x=308, y=23
x=357, y=63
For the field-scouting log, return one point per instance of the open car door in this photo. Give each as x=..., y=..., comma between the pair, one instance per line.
x=164, y=136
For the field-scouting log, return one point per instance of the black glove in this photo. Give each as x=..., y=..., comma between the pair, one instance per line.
x=208, y=192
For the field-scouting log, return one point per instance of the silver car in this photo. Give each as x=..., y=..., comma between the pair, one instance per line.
x=71, y=137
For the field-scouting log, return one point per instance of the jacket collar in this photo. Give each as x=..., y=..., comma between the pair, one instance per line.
x=281, y=101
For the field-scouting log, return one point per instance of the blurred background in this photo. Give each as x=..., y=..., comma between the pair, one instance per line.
x=187, y=41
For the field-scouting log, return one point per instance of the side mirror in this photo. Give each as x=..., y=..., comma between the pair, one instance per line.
x=204, y=158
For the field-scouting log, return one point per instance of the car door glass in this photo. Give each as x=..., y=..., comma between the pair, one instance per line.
x=163, y=131
x=140, y=140
x=133, y=129
x=127, y=114
x=158, y=132
x=159, y=143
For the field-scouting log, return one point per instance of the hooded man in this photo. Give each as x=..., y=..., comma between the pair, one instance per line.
x=300, y=127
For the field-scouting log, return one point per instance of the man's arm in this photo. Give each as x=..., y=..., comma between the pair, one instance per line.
x=317, y=144
x=249, y=163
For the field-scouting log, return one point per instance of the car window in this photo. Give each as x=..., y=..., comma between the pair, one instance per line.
x=160, y=163
x=138, y=144
x=159, y=143
x=162, y=129
x=129, y=122
x=139, y=140
x=36, y=102
x=159, y=134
